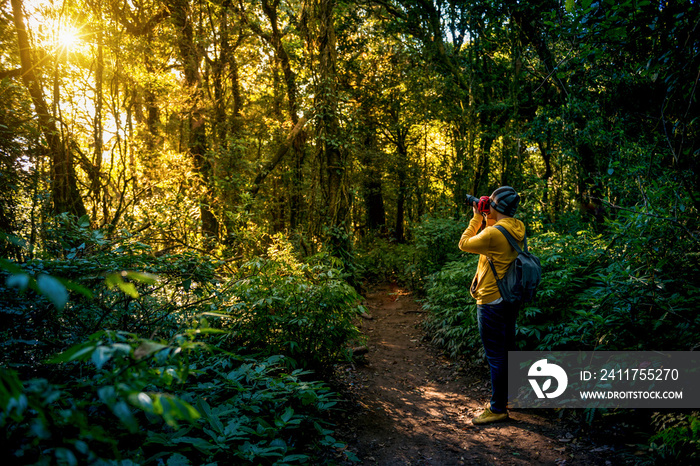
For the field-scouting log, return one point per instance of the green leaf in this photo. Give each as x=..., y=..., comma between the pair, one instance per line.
x=129, y=289
x=77, y=288
x=65, y=456
x=287, y=415
x=198, y=443
x=20, y=281
x=147, y=278
x=79, y=352
x=170, y=408
x=10, y=267
x=101, y=355
x=123, y=412
x=53, y=289
x=147, y=347
x=10, y=385
x=177, y=459
x=115, y=280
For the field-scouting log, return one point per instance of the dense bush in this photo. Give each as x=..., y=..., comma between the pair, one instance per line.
x=452, y=321
x=436, y=240
x=303, y=311
x=675, y=440
x=118, y=289
x=143, y=378
x=130, y=400
x=380, y=260
x=434, y=244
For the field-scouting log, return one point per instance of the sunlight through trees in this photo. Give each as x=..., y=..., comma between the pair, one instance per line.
x=267, y=158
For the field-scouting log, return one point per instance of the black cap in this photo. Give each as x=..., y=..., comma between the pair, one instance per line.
x=505, y=200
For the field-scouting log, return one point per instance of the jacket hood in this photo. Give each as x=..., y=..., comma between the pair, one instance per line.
x=514, y=226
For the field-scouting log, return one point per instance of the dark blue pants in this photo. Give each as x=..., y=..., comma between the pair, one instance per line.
x=497, y=330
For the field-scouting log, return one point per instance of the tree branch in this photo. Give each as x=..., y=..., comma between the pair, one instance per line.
x=16, y=73
x=281, y=151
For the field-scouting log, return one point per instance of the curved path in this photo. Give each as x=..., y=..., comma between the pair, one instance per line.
x=413, y=406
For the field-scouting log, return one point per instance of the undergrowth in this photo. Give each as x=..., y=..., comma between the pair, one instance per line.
x=112, y=355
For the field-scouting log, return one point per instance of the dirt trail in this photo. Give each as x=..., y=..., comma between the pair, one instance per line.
x=413, y=406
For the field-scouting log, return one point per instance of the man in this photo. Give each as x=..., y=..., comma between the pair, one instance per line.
x=496, y=318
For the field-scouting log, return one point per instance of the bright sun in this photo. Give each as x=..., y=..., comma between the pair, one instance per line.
x=68, y=37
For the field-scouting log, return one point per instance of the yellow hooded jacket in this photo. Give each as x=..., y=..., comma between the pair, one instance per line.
x=493, y=244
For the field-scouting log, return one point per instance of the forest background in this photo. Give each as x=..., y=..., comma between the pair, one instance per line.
x=194, y=193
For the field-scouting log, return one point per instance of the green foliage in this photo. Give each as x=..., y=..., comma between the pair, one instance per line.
x=300, y=310
x=434, y=245
x=141, y=400
x=436, y=240
x=629, y=291
x=255, y=412
x=675, y=440
x=381, y=260
x=177, y=397
x=62, y=302
x=452, y=322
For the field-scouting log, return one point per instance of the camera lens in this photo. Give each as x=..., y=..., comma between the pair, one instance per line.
x=471, y=200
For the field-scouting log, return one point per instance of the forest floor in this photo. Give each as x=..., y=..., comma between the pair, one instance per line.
x=411, y=405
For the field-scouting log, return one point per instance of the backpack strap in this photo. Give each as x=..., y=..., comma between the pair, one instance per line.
x=514, y=245
x=512, y=241
x=499, y=281
x=493, y=267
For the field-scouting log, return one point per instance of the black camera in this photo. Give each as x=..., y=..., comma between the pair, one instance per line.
x=483, y=204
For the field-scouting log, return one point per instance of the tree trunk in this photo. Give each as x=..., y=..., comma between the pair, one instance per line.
x=399, y=233
x=95, y=182
x=275, y=40
x=197, y=142
x=482, y=167
x=336, y=188
x=372, y=186
x=64, y=187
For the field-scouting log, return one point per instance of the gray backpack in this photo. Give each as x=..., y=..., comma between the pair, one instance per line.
x=519, y=284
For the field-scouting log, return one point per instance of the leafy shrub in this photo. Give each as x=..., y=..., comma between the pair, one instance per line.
x=380, y=260
x=305, y=312
x=115, y=397
x=62, y=302
x=675, y=440
x=145, y=401
x=628, y=290
x=435, y=243
x=452, y=320
x=437, y=240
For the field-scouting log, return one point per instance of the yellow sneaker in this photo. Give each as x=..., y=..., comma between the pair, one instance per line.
x=489, y=417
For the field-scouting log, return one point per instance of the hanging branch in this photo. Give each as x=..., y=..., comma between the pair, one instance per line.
x=281, y=151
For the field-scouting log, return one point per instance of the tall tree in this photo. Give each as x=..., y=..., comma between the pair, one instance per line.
x=318, y=21
x=64, y=187
x=191, y=57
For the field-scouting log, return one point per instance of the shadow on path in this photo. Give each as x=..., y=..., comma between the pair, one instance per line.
x=414, y=406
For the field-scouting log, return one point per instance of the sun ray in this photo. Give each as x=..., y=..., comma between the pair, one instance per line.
x=68, y=37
